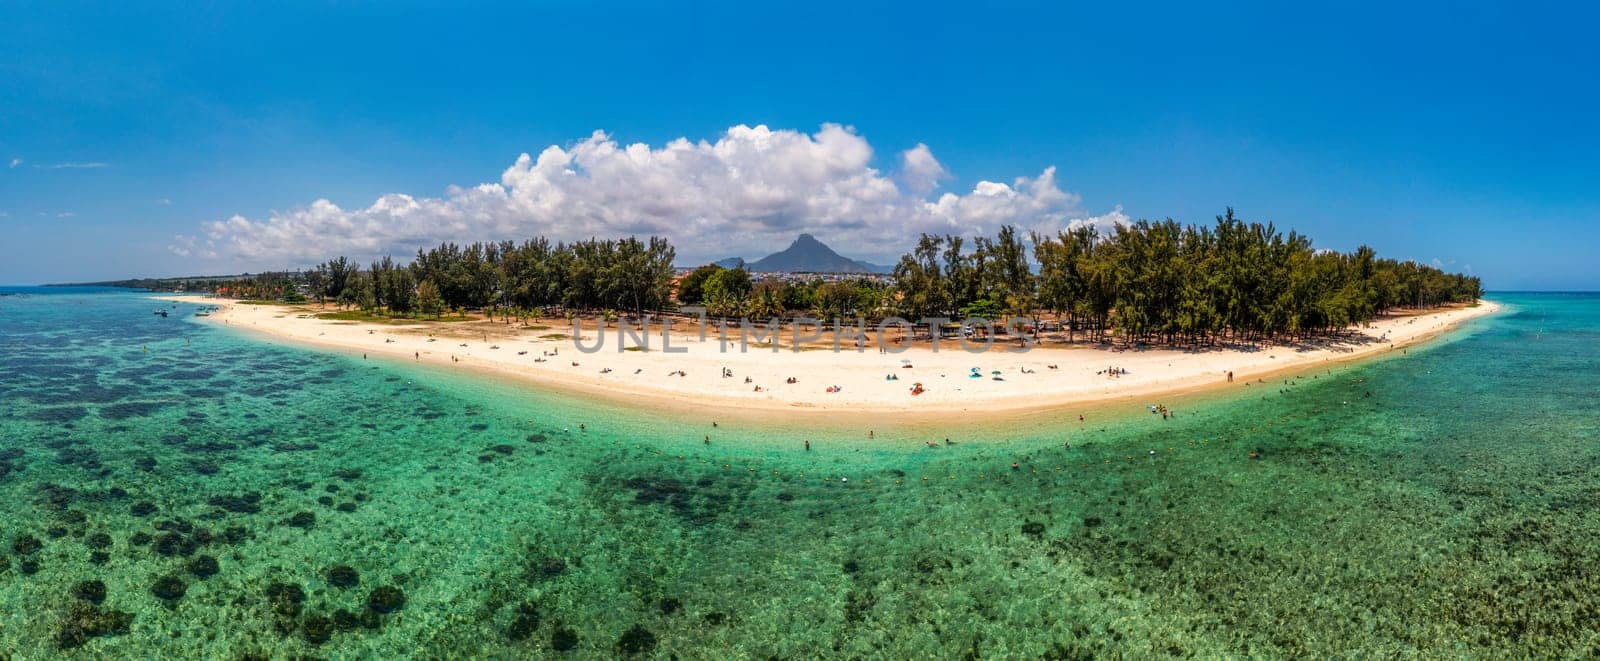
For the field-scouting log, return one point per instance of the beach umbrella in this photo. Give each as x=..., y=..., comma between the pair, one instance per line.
x=996, y=372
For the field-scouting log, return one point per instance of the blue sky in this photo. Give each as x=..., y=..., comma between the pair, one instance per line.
x=1457, y=132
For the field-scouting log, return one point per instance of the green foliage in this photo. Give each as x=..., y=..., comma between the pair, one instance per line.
x=691, y=289
x=428, y=300
x=627, y=274
x=983, y=308
x=1172, y=282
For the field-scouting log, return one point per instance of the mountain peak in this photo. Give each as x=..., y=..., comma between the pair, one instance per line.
x=808, y=255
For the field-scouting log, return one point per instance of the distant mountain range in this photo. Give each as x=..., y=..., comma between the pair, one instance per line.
x=805, y=255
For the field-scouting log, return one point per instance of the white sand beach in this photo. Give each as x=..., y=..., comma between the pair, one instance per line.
x=759, y=378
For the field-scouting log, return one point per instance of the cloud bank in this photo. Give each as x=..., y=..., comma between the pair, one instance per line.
x=747, y=193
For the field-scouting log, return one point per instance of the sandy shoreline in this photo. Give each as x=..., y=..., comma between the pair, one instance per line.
x=650, y=377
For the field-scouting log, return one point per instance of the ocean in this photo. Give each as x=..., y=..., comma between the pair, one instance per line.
x=174, y=489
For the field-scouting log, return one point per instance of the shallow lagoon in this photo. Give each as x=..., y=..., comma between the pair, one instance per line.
x=363, y=509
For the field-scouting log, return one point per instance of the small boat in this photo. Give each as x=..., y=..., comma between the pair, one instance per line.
x=160, y=312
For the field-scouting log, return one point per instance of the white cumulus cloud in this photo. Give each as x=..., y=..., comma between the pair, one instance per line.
x=750, y=191
x=920, y=171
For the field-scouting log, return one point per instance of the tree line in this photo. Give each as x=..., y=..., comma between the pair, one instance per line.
x=732, y=292
x=1234, y=280
x=623, y=274
x=1148, y=281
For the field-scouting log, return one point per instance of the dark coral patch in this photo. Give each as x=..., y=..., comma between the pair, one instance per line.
x=92, y=591
x=302, y=520
x=637, y=640
x=203, y=567
x=26, y=545
x=563, y=639
x=343, y=576
x=317, y=629
x=169, y=589
x=285, y=598
x=245, y=503
x=386, y=599
x=84, y=622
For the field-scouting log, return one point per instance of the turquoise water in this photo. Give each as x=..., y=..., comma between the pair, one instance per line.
x=306, y=503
